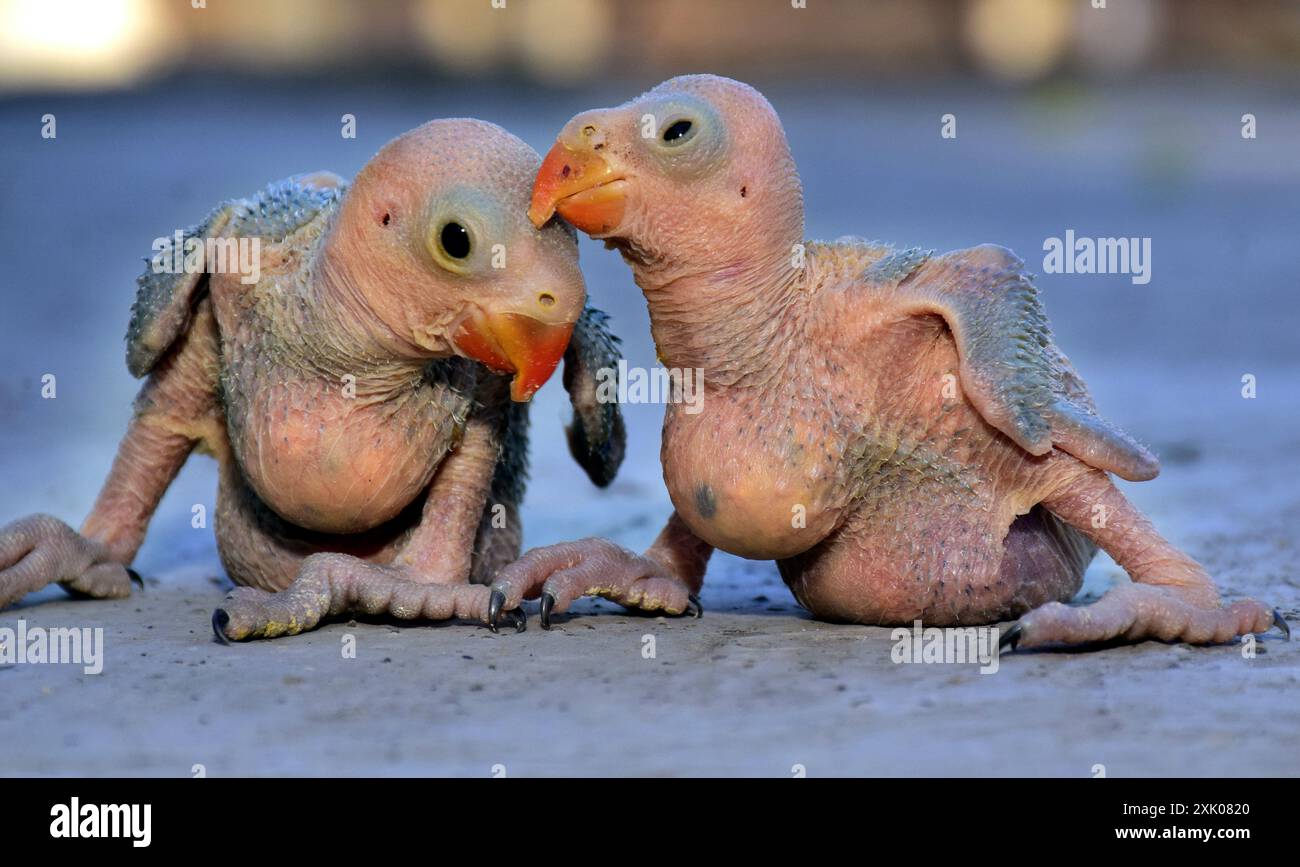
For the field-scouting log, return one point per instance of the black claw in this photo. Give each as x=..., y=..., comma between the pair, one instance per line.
x=518, y=618
x=548, y=602
x=135, y=578
x=693, y=606
x=495, y=603
x=1010, y=638
x=1280, y=622
x=219, y=620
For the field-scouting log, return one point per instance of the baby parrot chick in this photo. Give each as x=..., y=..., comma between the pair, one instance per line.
x=895, y=428
x=363, y=391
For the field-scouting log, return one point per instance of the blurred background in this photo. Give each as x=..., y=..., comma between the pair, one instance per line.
x=106, y=43
x=121, y=120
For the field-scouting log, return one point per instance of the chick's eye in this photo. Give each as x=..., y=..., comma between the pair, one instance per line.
x=455, y=240
x=678, y=131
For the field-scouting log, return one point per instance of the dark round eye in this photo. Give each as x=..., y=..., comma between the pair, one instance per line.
x=455, y=240
x=678, y=131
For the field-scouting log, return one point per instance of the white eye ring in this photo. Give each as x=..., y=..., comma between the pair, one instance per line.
x=452, y=245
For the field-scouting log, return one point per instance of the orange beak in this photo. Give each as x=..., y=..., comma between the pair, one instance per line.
x=514, y=343
x=582, y=187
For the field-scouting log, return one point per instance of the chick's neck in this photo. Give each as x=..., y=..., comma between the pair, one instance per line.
x=736, y=322
x=342, y=333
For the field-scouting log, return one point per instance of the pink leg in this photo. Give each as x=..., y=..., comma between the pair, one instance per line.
x=40, y=549
x=1171, y=597
x=333, y=584
x=427, y=580
x=170, y=412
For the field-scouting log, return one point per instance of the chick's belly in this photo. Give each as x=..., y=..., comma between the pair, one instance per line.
x=259, y=548
x=746, y=501
x=333, y=480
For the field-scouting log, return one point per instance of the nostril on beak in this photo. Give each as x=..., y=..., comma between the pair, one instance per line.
x=546, y=299
x=594, y=138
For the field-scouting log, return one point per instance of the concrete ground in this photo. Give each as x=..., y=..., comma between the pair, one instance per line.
x=756, y=687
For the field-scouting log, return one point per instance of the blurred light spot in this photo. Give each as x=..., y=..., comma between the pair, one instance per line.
x=470, y=38
x=71, y=44
x=284, y=34
x=1119, y=38
x=565, y=40
x=1018, y=40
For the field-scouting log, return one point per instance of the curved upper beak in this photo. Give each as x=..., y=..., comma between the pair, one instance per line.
x=578, y=183
x=529, y=345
